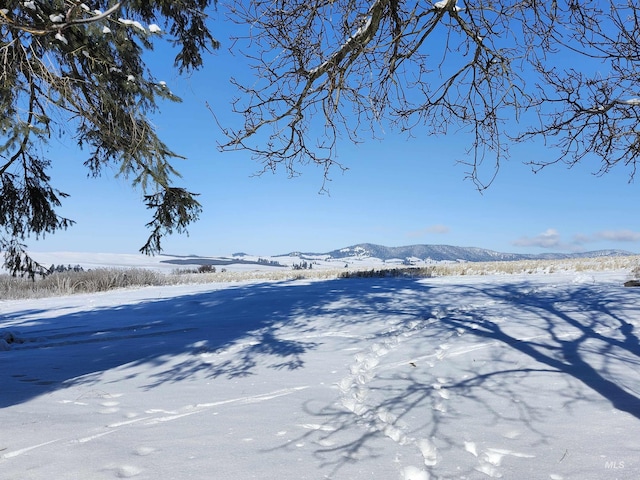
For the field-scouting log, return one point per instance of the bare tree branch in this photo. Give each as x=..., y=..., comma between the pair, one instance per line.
x=501, y=71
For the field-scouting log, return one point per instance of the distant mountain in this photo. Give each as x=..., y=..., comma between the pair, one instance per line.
x=450, y=253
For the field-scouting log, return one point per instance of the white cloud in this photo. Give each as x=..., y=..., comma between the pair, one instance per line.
x=438, y=229
x=581, y=238
x=618, y=235
x=552, y=239
x=548, y=239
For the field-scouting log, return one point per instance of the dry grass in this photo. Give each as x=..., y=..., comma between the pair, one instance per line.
x=70, y=282
x=99, y=280
x=635, y=272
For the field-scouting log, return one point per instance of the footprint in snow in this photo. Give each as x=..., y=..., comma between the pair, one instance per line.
x=488, y=470
x=354, y=389
x=471, y=448
x=326, y=443
x=443, y=394
x=125, y=471
x=429, y=452
x=314, y=426
x=143, y=451
x=441, y=391
x=110, y=407
x=414, y=473
x=490, y=459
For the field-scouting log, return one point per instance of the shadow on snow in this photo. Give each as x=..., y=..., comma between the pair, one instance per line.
x=580, y=341
x=71, y=349
x=579, y=333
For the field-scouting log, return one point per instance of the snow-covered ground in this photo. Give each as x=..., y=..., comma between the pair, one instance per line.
x=467, y=377
x=234, y=263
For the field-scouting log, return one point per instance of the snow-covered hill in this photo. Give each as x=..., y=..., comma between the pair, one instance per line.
x=452, y=253
x=356, y=257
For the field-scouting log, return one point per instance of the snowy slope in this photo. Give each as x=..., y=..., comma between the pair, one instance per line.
x=453, y=253
x=168, y=263
x=516, y=377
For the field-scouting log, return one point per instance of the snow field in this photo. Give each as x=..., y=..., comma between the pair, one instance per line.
x=531, y=376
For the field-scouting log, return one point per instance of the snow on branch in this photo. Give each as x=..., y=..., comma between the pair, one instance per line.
x=59, y=21
x=451, y=5
x=362, y=36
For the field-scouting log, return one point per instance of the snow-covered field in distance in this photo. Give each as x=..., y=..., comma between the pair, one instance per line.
x=528, y=375
x=168, y=263
x=243, y=263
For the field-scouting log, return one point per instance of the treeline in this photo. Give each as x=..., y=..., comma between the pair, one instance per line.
x=207, y=268
x=273, y=263
x=413, y=272
x=302, y=266
x=62, y=268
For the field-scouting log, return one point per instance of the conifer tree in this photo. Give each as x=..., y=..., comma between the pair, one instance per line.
x=75, y=68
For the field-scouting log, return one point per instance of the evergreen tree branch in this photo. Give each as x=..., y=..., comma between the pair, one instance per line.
x=82, y=72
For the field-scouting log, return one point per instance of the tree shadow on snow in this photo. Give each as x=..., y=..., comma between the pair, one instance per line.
x=508, y=338
x=580, y=341
x=235, y=329
x=577, y=327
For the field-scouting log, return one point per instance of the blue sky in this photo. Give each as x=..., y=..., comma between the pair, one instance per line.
x=397, y=191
